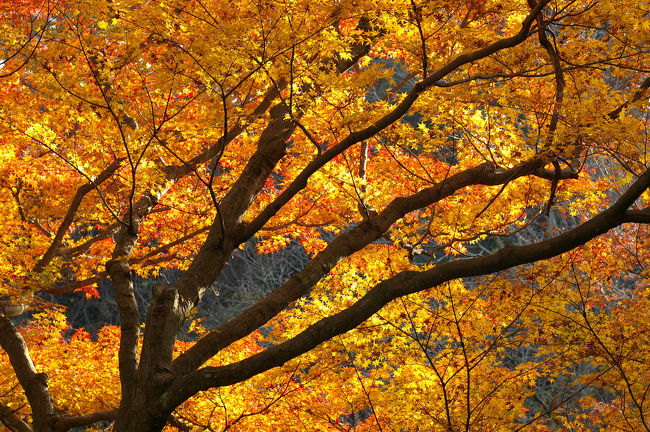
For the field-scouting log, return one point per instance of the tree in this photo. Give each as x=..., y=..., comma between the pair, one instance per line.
x=405, y=145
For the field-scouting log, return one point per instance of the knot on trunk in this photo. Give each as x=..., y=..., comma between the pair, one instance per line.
x=160, y=380
x=118, y=268
x=40, y=379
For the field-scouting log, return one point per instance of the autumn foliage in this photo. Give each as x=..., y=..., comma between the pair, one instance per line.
x=469, y=180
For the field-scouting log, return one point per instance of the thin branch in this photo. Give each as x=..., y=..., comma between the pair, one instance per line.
x=72, y=211
x=416, y=13
x=39, y=37
x=300, y=182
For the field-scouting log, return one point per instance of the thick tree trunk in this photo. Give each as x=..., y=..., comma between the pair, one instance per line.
x=145, y=413
x=140, y=420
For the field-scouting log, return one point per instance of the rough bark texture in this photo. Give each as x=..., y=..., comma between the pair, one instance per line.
x=119, y=270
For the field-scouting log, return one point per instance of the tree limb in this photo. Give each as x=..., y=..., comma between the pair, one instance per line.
x=72, y=211
x=404, y=283
x=64, y=423
x=119, y=270
x=11, y=421
x=33, y=383
x=300, y=182
x=344, y=245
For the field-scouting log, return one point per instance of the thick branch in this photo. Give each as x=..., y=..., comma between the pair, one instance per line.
x=69, y=287
x=300, y=182
x=176, y=172
x=75, y=250
x=345, y=245
x=557, y=71
x=170, y=304
x=33, y=383
x=638, y=216
x=11, y=421
x=168, y=308
x=404, y=283
x=357, y=51
x=637, y=96
x=270, y=149
x=64, y=423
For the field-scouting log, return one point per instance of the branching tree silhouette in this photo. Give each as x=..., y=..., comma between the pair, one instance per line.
x=138, y=137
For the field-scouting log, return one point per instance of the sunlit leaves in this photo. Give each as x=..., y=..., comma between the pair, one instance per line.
x=176, y=97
